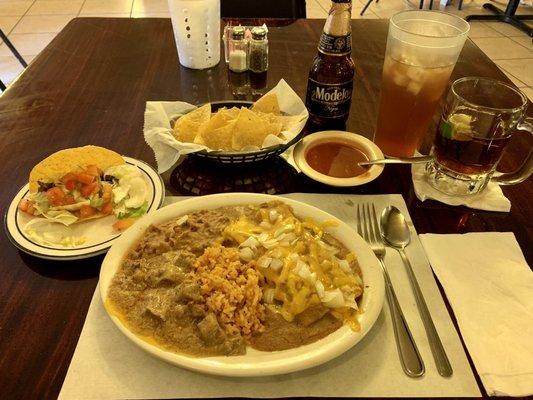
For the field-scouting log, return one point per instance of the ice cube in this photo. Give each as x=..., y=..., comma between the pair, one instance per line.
x=414, y=87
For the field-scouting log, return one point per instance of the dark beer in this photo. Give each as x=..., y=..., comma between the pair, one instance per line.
x=330, y=84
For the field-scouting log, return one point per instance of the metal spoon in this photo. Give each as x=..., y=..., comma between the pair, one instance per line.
x=398, y=160
x=395, y=231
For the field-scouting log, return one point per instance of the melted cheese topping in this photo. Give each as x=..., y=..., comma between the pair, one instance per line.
x=299, y=268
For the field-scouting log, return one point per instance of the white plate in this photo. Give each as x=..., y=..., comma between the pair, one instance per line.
x=372, y=151
x=257, y=363
x=99, y=232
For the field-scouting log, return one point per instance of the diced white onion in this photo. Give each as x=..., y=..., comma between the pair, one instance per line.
x=182, y=220
x=262, y=237
x=250, y=242
x=246, y=253
x=344, y=265
x=265, y=225
x=302, y=270
x=319, y=286
x=264, y=262
x=331, y=249
x=273, y=215
x=288, y=237
x=351, y=304
x=270, y=244
x=276, y=264
x=333, y=298
x=268, y=295
x=284, y=229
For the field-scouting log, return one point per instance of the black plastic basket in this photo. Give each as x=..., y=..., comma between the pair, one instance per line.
x=242, y=157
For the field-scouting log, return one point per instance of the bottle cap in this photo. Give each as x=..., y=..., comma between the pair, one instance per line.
x=259, y=33
x=238, y=32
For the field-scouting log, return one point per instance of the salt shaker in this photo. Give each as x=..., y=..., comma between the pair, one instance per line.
x=238, y=56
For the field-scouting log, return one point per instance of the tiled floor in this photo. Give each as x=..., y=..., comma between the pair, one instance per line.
x=32, y=24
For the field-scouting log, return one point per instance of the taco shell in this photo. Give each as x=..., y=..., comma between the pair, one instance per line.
x=55, y=166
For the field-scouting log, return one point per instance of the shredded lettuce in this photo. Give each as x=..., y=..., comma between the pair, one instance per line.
x=96, y=202
x=134, y=212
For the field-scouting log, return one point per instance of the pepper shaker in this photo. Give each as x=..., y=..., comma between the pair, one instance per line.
x=258, y=63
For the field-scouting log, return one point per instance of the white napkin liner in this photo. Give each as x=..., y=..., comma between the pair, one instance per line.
x=167, y=149
x=490, y=288
x=491, y=199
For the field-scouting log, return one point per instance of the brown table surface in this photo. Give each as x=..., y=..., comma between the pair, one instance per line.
x=90, y=85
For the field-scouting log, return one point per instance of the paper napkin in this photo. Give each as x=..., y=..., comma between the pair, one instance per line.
x=491, y=199
x=490, y=288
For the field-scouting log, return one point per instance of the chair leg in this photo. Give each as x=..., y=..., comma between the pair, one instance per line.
x=431, y=4
x=2, y=86
x=13, y=49
x=366, y=6
x=421, y=4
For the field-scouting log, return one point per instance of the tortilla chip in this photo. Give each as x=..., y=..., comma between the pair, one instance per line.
x=267, y=104
x=215, y=126
x=249, y=130
x=220, y=138
x=56, y=165
x=187, y=127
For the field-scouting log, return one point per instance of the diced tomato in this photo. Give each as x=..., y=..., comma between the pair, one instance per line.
x=70, y=185
x=24, y=204
x=69, y=177
x=86, y=190
x=123, y=224
x=55, y=196
x=69, y=199
x=31, y=209
x=85, y=178
x=107, y=208
x=92, y=170
x=87, y=211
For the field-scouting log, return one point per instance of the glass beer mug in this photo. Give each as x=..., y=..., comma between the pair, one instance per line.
x=478, y=121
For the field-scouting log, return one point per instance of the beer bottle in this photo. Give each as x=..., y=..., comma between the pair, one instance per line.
x=330, y=83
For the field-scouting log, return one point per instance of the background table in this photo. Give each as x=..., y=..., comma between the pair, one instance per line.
x=90, y=85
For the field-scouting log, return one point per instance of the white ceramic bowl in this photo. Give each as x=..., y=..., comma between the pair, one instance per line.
x=368, y=147
x=258, y=363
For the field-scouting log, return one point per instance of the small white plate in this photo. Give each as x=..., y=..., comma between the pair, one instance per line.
x=254, y=362
x=368, y=147
x=99, y=232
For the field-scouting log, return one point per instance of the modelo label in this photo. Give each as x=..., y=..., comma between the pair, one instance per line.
x=329, y=100
x=335, y=44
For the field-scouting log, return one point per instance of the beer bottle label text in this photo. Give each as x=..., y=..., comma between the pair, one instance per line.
x=329, y=100
x=335, y=44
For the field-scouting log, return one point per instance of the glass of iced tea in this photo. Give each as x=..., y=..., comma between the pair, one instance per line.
x=422, y=49
x=478, y=120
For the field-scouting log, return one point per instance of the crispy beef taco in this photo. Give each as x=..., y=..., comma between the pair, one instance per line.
x=87, y=182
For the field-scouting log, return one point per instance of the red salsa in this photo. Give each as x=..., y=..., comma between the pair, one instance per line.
x=336, y=159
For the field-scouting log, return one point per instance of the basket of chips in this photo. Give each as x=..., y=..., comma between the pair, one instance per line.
x=229, y=132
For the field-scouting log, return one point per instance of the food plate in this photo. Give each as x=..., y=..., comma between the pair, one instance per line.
x=254, y=362
x=99, y=232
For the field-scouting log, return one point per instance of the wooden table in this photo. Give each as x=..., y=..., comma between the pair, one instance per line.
x=90, y=85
